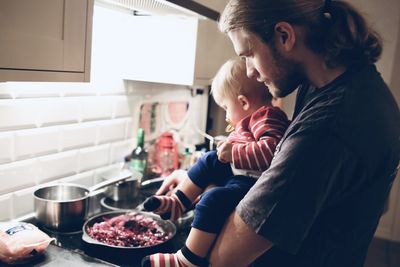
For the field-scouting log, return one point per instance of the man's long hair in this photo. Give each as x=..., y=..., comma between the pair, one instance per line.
x=333, y=29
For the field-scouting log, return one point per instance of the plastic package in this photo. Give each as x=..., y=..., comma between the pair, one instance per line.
x=19, y=242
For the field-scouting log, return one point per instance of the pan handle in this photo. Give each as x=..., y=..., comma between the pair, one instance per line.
x=124, y=175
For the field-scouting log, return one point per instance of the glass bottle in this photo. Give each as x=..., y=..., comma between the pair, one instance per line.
x=139, y=154
x=168, y=160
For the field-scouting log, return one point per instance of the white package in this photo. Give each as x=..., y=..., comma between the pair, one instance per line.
x=21, y=241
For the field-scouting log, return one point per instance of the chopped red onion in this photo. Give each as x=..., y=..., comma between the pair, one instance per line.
x=130, y=230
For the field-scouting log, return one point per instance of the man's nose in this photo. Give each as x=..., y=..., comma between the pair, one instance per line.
x=251, y=72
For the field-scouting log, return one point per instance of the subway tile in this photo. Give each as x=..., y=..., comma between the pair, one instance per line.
x=85, y=179
x=54, y=111
x=106, y=172
x=111, y=130
x=129, y=129
x=6, y=93
x=121, y=108
x=32, y=92
x=109, y=87
x=93, y=157
x=6, y=144
x=23, y=202
x=33, y=89
x=96, y=108
x=78, y=89
x=5, y=207
x=47, y=89
x=121, y=149
x=18, y=175
x=78, y=135
x=18, y=114
x=35, y=142
x=57, y=166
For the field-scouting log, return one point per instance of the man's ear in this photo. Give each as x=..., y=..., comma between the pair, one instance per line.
x=285, y=35
x=244, y=102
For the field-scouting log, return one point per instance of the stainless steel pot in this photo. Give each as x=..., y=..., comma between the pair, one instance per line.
x=64, y=206
x=127, y=190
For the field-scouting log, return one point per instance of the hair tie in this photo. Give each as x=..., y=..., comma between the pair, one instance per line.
x=327, y=9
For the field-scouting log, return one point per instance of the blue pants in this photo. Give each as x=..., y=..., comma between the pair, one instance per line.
x=217, y=203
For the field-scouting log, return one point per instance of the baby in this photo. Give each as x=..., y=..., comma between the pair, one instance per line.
x=234, y=168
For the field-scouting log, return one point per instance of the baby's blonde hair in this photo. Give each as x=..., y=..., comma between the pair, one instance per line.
x=231, y=81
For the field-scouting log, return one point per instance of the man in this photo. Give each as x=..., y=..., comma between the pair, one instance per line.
x=321, y=199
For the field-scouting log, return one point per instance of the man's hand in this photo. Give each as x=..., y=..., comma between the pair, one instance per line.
x=224, y=151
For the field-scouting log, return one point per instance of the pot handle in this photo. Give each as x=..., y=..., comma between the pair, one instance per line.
x=124, y=175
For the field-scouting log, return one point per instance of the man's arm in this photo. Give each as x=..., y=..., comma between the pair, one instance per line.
x=237, y=244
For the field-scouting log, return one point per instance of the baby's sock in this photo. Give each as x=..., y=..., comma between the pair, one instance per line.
x=183, y=258
x=168, y=207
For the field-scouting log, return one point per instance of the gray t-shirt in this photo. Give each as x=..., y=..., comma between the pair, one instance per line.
x=321, y=199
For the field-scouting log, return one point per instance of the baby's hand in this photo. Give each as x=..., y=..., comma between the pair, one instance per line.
x=224, y=151
x=170, y=183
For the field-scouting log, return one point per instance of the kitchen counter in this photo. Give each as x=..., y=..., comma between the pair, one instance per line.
x=61, y=257
x=70, y=250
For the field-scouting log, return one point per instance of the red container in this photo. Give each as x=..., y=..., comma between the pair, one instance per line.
x=167, y=157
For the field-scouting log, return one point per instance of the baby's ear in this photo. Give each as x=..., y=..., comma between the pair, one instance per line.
x=244, y=102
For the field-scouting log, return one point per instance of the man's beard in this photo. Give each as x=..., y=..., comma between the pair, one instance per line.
x=287, y=75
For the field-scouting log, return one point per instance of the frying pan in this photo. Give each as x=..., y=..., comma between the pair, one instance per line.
x=166, y=226
x=124, y=256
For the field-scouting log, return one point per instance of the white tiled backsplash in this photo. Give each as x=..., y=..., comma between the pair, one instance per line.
x=71, y=132
x=58, y=132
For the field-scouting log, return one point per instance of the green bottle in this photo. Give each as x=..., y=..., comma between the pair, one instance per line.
x=139, y=154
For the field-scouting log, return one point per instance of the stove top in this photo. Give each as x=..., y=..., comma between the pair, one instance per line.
x=101, y=255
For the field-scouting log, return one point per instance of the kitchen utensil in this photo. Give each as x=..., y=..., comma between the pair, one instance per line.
x=63, y=207
x=166, y=226
x=125, y=190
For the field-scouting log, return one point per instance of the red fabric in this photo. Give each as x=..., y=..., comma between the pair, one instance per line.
x=256, y=137
x=170, y=204
x=161, y=259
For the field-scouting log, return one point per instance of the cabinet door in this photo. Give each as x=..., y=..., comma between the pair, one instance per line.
x=47, y=35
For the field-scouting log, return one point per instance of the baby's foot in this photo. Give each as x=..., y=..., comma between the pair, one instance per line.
x=168, y=207
x=173, y=260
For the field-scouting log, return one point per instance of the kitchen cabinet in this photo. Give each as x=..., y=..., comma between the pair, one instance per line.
x=45, y=40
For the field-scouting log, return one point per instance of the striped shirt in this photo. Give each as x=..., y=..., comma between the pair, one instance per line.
x=256, y=137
